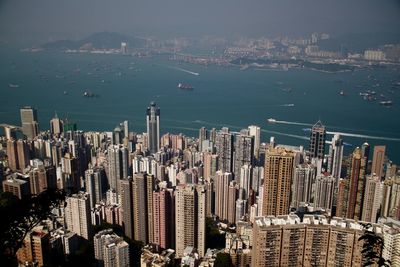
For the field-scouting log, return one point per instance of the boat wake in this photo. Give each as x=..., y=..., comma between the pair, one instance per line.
x=187, y=71
x=366, y=136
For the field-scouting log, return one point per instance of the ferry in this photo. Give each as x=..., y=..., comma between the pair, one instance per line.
x=187, y=87
x=271, y=120
x=386, y=103
x=13, y=85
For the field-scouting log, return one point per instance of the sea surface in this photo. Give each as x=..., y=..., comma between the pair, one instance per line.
x=222, y=96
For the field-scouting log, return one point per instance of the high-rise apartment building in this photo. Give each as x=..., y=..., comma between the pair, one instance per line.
x=29, y=122
x=164, y=218
x=324, y=191
x=142, y=188
x=56, y=126
x=35, y=250
x=117, y=156
x=255, y=132
x=110, y=250
x=18, y=187
x=372, y=198
x=221, y=186
x=12, y=155
x=77, y=215
x=244, y=152
x=96, y=184
x=356, y=176
x=303, y=181
x=153, y=127
x=127, y=207
x=335, y=157
x=190, y=209
x=203, y=135
x=285, y=241
x=278, y=174
x=378, y=161
x=224, y=145
x=391, y=198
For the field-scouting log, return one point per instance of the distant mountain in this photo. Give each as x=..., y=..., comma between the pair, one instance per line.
x=103, y=40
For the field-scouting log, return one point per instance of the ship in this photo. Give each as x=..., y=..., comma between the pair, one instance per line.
x=386, y=103
x=89, y=94
x=13, y=85
x=187, y=87
x=271, y=120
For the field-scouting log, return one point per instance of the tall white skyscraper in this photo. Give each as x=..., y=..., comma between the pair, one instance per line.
x=77, y=215
x=335, y=157
x=153, y=127
x=255, y=131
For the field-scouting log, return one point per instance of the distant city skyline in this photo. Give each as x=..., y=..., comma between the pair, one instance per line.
x=49, y=20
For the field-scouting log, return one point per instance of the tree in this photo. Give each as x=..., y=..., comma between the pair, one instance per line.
x=373, y=248
x=214, y=239
x=20, y=216
x=223, y=260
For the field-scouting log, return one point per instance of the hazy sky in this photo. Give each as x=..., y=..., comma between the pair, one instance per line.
x=45, y=19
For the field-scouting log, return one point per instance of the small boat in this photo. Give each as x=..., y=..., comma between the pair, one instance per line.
x=271, y=120
x=65, y=93
x=89, y=94
x=13, y=85
x=342, y=93
x=187, y=87
x=386, y=103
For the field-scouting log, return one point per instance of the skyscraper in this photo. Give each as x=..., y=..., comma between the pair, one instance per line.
x=244, y=152
x=203, y=135
x=29, y=122
x=285, y=241
x=77, y=215
x=372, y=198
x=12, y=155
x=221, y=182
x=142, y=188
x=378, y=160
x=35, y=250
x=224, y=145
x=96, y=184
x=164, y=223
x=356, y=176
x=56, y=125
x=255, y=132
x=190, y=208
x=110, y=249
x=317, y=141
x=303, y=180
x=324, y=189
x=335, y=157
x=117, y=156
x=127, y=207
x=278, y=174
x=153, y=127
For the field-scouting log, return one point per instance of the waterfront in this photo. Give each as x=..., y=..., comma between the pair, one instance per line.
x=221, y=97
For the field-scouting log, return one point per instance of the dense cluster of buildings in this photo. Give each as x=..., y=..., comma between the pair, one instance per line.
x=277, y=205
